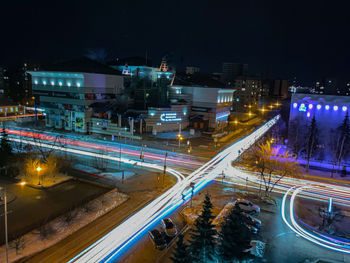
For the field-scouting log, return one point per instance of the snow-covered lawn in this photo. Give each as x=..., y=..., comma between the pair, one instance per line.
x=118, y=175
x=33, y=240
x=111, y=175
x=47, y=181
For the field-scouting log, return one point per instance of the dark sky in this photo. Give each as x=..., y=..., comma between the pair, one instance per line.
x=306, y=39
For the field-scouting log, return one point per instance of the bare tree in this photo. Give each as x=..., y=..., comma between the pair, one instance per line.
x=70, y=216
x=100, y=162
x=18, y=243
x=46, y=230
x=271, y=168
x=43, y=151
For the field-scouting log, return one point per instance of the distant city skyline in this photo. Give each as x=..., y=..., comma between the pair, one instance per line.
x=306, y=40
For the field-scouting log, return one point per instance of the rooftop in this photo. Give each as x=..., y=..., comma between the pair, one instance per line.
x=84, y=65
x=197, y=79
x=131, y=61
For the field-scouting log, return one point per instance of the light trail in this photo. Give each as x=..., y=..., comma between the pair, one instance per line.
x=150, y=154
x=110, y=246
x=316, y=237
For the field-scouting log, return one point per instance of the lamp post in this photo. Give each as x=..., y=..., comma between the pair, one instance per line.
x=38, y=169
x=5, y=215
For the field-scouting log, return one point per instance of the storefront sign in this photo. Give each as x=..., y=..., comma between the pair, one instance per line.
x=169, y=117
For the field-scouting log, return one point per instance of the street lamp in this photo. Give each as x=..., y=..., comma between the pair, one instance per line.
x=179, y=136
x=38, y=169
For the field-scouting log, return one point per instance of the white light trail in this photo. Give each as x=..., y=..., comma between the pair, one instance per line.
x=316, y=237
x=108, y=247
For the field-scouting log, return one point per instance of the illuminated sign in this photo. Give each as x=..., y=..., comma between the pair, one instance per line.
x=222, y=115
x=302, y=107
x=169, y=117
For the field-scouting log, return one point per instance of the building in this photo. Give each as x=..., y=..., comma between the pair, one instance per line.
x=192, y=70
x=172, y=118
x=66, y=90
x=148, y=86
x=329, y=112
x=232, y=70
x=327, y=86
x=248, y=92
x=208, y=100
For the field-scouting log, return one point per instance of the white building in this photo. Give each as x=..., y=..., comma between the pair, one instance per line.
x=67, y=90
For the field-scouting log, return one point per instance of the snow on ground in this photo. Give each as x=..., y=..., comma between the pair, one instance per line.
x=118, y=175
x=47, y=181
x=86, y=168
x=34, y=243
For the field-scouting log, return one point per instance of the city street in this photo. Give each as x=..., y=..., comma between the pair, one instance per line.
x=141, y=189
x=282, y=244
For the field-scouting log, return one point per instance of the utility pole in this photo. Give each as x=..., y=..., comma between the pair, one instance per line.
x=120, y=154
x=164, y=171
x=5, y=215
x=192, y=188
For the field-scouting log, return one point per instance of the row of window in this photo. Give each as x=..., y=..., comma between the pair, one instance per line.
x=7, y=109
x=60, y=83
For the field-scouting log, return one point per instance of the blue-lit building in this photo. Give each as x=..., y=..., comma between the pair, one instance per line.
x=329, y=112
x=66, y=90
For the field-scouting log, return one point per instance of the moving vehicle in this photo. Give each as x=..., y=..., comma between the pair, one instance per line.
x=157, y=239
x=247, y=206
x=169, y=227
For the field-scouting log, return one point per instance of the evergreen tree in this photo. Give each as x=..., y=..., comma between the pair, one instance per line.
x=234, y=237
x=181, y=252
x=5, y=149
x=311, y=141
x=344, y=139
x=202, y=245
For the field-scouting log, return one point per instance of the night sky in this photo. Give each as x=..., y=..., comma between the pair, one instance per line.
x=304, y=39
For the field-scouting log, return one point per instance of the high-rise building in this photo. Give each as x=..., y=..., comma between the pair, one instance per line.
x=248, y=93
x=232, y=70
x=191, y=70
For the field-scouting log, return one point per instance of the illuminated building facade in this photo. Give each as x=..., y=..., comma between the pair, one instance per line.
x=208, y=99
x=172, y=118
x=66, y=95
x=329, y=112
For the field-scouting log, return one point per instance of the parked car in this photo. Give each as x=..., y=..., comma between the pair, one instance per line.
x=252, y=229
x=169, y=227
x=157, y=239
x=252, y=220
x=247, y=206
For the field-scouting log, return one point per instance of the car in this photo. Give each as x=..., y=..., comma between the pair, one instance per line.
x=247, y=206
x=169, y=227
x=252, y=229
x=157, y=239
x=252, y=220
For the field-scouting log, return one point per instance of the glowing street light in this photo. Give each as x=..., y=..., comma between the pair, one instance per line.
x=38, y=169
x=22, y=183
x=250, y=114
